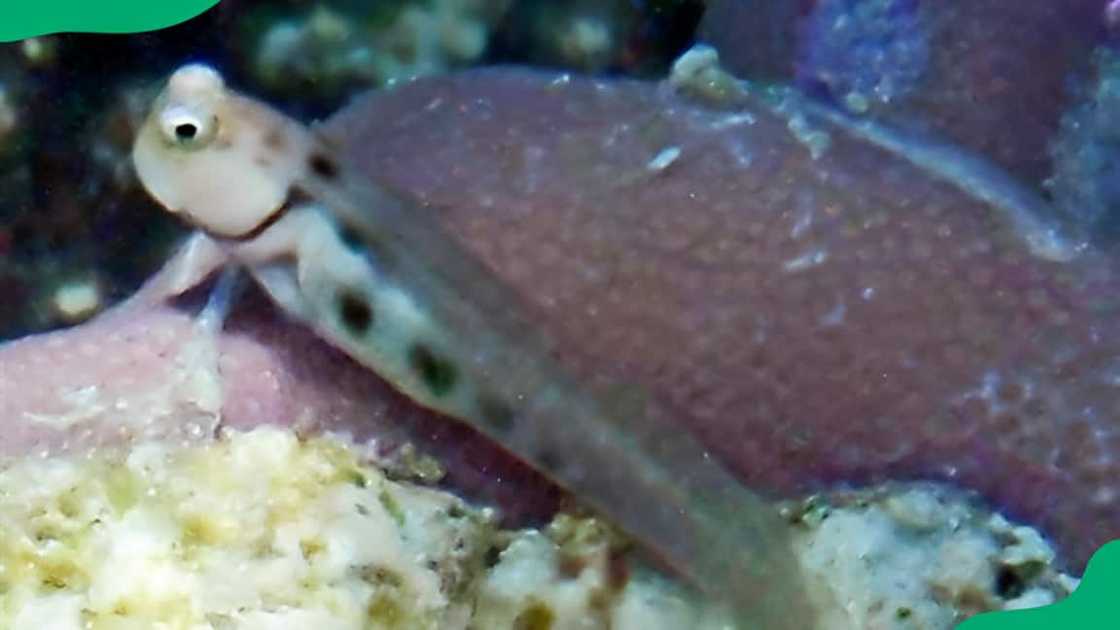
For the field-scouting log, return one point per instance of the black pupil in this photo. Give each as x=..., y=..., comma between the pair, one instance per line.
x=185, y=131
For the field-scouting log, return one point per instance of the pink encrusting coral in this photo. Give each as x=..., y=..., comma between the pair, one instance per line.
x=841, y=319
x=147, y=371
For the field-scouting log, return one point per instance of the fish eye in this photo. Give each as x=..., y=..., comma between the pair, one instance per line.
x=187, y=128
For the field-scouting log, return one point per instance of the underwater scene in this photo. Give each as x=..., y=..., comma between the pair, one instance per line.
x=528, y=315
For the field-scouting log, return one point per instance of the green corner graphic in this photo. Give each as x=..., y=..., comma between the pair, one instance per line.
x=1095, y=605
x=20, y=19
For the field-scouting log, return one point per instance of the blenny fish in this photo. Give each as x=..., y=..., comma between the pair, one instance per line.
x=374, y=275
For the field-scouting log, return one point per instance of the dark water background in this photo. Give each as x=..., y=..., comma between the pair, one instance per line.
x=70, y=208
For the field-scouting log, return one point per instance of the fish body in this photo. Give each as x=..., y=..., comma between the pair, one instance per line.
x=376, y=276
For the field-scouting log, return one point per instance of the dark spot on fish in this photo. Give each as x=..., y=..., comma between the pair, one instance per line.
x=350, y=237
x=297, y=196
x=360, y=240
x=354, y=311
x=438, y=373
x=322, y=166
x=261, y=160
x=496, y=413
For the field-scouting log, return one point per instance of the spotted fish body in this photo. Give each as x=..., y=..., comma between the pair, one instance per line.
x=377, y=278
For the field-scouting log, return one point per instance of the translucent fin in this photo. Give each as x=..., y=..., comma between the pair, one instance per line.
x=648, y=476
x=213, y=316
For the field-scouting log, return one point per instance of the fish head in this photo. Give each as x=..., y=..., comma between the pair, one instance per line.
x=223, y=162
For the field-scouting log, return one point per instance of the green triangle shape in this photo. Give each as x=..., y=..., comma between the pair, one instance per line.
x=20, y=19
x=1095, y=605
